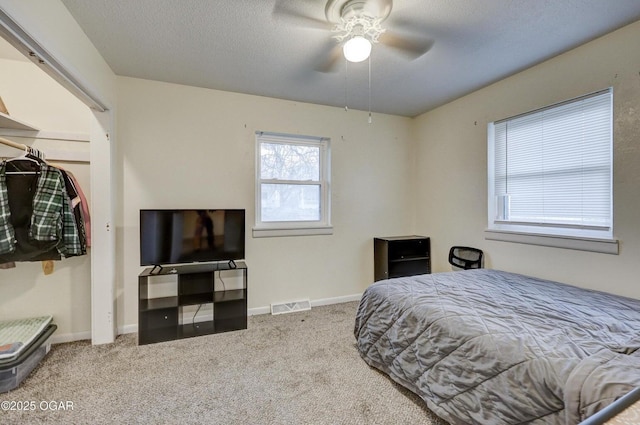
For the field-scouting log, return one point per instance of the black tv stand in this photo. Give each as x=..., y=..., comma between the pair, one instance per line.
x=159, y=317
x=154, y=271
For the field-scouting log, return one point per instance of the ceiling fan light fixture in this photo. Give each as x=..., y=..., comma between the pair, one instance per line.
x=357, y=49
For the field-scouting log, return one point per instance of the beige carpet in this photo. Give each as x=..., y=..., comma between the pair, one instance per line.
x=298, y=368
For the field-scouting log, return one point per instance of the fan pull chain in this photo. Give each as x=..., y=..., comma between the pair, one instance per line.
x=346, y=68
x=370, y=89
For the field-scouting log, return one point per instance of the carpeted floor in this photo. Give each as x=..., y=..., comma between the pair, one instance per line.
x=298, y=368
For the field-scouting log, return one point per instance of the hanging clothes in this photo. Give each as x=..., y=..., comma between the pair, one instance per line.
x=37, y=221
x=50, y=203
x=85, y=217
x=80, y=207
x=7, y=231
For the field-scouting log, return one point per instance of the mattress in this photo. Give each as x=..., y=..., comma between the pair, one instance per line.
x=491, y=347
x=17, y=335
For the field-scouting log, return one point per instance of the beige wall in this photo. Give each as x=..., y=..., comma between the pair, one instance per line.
x=186, y=147
x=452, y=153
x=32, y=96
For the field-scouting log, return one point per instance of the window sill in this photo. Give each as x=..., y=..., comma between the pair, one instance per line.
x=605, y=246
x=289, y=231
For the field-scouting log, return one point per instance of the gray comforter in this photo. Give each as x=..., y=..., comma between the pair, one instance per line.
x=490, y=347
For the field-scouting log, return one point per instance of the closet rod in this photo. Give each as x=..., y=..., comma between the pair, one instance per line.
x=13, y=144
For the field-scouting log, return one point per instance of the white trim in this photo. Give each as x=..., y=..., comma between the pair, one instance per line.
x=605, y=246
x=258, y=311
x=292, y=139
x=576, y=232
x=127, y=329
x=336, y=300
x=298, y=231
x=103, y=253
x=70, y=337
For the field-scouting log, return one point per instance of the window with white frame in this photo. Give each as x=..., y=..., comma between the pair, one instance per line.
x=550, y=170
x=292, y=185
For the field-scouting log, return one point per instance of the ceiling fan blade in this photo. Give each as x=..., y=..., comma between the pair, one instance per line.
x=329, y=59
x=410, y=46
x=409, y=26
x=288, y=12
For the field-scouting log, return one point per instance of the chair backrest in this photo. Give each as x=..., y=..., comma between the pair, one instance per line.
x=465, y=257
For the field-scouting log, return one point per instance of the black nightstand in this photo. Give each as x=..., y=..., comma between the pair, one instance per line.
x=398, y=256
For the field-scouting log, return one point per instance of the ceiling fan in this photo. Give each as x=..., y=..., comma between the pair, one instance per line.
x=357, y=25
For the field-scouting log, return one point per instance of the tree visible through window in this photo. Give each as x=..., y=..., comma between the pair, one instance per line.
x=292, y=181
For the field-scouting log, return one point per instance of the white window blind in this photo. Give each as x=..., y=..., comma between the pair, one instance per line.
x=552, y=169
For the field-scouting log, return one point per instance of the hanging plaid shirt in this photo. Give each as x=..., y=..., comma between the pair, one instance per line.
x=7, y=233
x=52, y=218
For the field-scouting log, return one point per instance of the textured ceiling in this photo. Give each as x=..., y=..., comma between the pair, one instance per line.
x=243, y=46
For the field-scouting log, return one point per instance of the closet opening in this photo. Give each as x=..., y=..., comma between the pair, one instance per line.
x=40, y=113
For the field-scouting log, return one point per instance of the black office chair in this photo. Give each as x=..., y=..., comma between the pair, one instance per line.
x=466, y=258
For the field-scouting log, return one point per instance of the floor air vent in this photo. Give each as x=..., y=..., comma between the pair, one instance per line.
x=291, y=307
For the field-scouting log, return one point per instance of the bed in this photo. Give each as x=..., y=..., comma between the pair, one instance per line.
x=492, y=347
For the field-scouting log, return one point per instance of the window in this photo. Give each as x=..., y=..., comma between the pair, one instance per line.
x=550, y=170
x=292, y=185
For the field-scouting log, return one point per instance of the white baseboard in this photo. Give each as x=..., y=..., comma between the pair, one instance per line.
x=258, y=311
x=76, y=336
x=336, y=300
x=129, y=329
x=314, y=303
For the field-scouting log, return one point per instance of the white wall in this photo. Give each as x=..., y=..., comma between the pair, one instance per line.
x=186, y=147
x=25, y=291
x=452, y=154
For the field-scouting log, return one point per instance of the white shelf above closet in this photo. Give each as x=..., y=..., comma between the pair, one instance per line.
x=11, y=127
x=9, y=122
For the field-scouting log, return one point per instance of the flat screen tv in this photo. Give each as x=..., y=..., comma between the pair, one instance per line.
x=191, y=236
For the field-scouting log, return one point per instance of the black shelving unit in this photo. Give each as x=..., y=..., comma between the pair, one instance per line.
x=159, y=317
x=399, y=256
